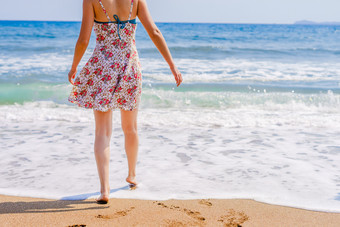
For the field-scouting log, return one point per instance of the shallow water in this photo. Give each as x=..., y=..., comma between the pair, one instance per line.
x=257, y=116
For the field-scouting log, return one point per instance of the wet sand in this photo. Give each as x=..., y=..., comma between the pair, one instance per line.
x=14, y=211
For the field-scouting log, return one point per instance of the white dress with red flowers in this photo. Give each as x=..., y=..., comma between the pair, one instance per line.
x=112, y=77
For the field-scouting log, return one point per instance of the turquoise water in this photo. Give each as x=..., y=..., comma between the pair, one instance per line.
x=224, y=58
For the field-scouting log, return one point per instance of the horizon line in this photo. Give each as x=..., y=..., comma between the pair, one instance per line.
x=259, y=23
x=79, y=21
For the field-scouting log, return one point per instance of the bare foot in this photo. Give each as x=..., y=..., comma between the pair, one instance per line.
x=103, y=199
x=131, y=180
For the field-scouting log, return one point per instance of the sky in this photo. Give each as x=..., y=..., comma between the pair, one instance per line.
x=212, y=11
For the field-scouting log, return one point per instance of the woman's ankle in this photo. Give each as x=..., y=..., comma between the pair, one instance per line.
x=105, y=191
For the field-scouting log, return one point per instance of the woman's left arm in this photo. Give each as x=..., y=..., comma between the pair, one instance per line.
x=84, y=37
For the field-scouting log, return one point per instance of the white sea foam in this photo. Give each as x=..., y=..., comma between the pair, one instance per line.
x=278, y=156
x=39, y=63
x=193, y=70
x=197, y=70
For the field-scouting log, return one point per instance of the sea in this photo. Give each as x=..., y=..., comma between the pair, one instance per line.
x=257, y=115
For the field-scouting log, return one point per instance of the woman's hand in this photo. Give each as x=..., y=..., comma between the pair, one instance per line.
x=177, y=74
x=71, y=75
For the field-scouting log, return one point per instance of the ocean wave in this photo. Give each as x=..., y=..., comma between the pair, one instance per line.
x=212, y=51
x=198, y=96
x=251, y=71
x=25, y=50
x=276, y=111
x=53, y=68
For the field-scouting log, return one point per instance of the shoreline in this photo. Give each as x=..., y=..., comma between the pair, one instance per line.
x=136, y=212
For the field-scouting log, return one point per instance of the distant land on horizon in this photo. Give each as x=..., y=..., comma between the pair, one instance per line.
x=307, y=22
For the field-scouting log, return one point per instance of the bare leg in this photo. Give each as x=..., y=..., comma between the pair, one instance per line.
x=129, y=126
x=103, y=134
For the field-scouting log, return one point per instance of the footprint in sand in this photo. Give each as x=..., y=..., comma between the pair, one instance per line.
x=205, y=202
x=194, y=214
x=172, y=223
x=233, y=218
x=161, y=204
x=118, y=214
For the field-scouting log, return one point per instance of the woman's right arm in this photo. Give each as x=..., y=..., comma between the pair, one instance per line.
x=157, y=38
x=83, y=39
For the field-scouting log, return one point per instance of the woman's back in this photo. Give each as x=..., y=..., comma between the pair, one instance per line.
x=119, y=7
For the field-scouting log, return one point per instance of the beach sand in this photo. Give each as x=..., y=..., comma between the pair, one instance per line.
x=18, y=211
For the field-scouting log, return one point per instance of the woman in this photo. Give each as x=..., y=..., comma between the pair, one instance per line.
x=112, y=77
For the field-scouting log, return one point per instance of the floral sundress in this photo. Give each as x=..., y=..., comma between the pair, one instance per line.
x=112, y=77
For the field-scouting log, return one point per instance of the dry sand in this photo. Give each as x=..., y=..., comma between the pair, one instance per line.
x=23, y=211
